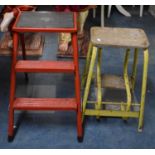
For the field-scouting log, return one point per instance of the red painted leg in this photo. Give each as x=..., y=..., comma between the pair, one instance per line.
x=77, y=87
x=12, y=87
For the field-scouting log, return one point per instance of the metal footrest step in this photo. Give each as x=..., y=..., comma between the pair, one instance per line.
x=44, y=66
x=45, y=104
x=113, y=81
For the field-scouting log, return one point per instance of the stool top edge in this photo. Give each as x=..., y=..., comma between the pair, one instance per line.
x=119, y=37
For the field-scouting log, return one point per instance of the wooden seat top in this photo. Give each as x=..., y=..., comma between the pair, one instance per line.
x=119, y=37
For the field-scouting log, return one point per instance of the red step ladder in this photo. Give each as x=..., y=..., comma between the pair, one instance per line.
x=23, y=24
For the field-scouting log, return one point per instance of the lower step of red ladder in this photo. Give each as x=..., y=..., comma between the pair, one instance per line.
x=45, y=104
x=44, y=66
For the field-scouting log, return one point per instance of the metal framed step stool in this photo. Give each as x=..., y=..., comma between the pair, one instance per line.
x=45, y=22
x=115, y=37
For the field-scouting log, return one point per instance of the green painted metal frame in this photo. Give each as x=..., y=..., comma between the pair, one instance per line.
x=88, y=58
x=134, y=69
x=143, y=90
x=126, y=111
x=126, y=80
x=89, y=78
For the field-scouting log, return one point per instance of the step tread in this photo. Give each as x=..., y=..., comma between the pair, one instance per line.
x=45, y=104
x=44, y=66
x=114, y=82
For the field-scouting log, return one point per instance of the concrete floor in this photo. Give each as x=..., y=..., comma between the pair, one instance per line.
x=58, y=129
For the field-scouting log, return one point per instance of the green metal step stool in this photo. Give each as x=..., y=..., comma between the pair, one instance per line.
x=115, y=37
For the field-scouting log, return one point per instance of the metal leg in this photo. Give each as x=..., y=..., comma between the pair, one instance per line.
x=143, y=91
x=84, y=76
x=94, y=12
x=123, y=11
x=126, y=79
x=77, y=87
x=109, y=10
x=120, y=9
x=23, y=52
x=102, y=16
x=141, y=10
x=89, y=78
x=99, y=87
x=134, y=69
x=12, y=86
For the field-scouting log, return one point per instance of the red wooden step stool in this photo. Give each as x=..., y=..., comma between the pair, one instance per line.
x=45, y=22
